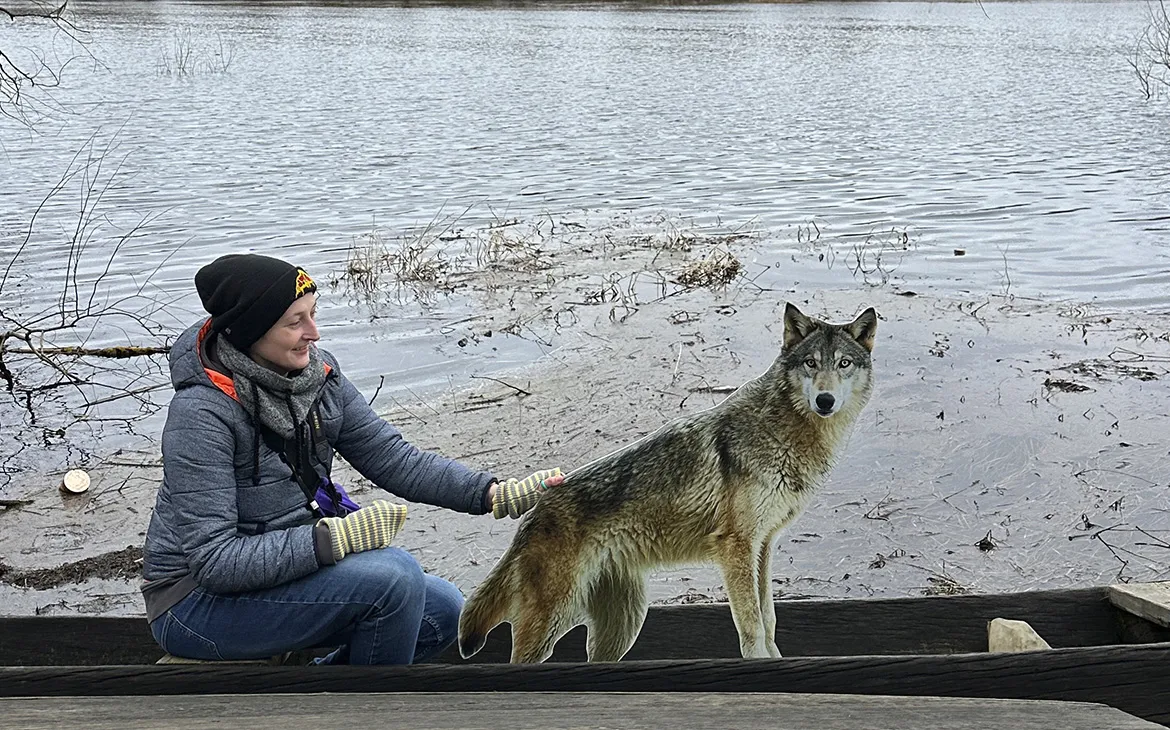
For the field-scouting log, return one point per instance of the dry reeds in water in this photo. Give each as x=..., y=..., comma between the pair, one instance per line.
x=372, y=261
x=719, y=267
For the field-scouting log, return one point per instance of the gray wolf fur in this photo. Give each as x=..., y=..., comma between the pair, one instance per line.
x=715, y=486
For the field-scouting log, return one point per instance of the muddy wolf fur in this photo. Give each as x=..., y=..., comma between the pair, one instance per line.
x=715, y=486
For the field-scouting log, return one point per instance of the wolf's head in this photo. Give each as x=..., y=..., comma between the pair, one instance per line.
x=827, y=367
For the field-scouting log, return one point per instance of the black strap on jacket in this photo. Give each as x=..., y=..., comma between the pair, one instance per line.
x=307, y=455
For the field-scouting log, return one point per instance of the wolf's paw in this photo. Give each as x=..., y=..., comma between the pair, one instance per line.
x=757, y=651
x=773, y=650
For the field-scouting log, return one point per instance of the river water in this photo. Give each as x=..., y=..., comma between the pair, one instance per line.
x=1014, y=132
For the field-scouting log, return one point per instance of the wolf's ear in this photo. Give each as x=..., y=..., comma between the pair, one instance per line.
x=864, y=328
x=797, y=326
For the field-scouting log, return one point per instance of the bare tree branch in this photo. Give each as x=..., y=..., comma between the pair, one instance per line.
x=82, y=350
x=29, y=74
x=1151, y=56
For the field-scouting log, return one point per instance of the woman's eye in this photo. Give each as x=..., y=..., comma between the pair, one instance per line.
x=810, y=363
x=845, y=362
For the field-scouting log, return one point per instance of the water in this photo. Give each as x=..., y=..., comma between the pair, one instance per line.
x=1012, y=132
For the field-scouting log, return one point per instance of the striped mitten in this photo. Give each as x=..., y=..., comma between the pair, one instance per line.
x=515, y=497
x=370, y=528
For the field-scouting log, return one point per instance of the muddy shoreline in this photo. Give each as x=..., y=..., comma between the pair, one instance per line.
x=1010, y=444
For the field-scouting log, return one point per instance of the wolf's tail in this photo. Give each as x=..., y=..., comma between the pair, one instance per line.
x=487, y=607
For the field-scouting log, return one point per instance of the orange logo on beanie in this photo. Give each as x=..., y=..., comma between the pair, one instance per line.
x=304, y=283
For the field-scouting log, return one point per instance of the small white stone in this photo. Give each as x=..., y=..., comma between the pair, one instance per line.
x=75, y=481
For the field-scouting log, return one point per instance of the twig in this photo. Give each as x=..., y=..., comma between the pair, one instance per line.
x=521, y=391
x=381, y=380
x=128, y=394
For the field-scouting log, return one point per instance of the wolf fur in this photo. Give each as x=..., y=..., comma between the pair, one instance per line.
x=715, y=486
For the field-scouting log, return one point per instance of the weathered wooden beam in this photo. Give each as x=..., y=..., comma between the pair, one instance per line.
x=1135, y=679
x=1008, y=635
x=805, y=628
x=950, y=624
x=562, y=711
x=1150, y=601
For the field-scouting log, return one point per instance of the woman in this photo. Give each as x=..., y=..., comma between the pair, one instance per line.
x=252, y=550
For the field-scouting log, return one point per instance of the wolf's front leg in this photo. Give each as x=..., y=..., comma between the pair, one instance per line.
x=739, y=563
x=767, y=604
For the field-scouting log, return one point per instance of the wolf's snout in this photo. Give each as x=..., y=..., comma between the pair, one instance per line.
x=825, y=403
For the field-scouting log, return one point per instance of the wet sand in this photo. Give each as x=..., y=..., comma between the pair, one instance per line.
x=1010, y=444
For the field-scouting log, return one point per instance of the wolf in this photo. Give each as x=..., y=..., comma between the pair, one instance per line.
x=715, y=486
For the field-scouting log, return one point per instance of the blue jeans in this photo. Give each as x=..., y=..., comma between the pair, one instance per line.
x=378, y=607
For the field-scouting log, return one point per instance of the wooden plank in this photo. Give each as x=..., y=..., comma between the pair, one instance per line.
x=562, y=711
x=944, y=624
x=1008, y=635
x=1150, y=601
x=1135, y=679
x=67, y=640
x=1137, y=630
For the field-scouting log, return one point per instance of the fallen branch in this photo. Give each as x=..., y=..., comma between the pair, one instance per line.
x=123, y=352
x=713, y=389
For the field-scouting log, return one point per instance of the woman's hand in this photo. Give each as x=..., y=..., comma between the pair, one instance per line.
x=370, y=528
x=515, y=497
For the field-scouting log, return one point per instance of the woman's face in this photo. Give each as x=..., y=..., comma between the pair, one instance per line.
x=285, y=346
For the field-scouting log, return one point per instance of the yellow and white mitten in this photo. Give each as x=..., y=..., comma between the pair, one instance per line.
x=516, y=496
x=369, y=528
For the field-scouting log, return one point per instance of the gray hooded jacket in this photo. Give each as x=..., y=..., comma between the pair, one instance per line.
x=218, y=527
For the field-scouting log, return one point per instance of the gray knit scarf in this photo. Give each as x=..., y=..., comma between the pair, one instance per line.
x=276, y=401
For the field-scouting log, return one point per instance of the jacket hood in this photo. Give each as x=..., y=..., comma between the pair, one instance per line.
x=187, y=367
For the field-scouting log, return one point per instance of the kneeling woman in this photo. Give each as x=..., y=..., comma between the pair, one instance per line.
x=252, y=549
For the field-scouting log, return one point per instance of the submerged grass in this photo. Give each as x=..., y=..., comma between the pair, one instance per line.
x=720, y=267
x=440, y=258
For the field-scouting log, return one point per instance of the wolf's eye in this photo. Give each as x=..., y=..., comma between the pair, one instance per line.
x=845, y=362
x=810, y=363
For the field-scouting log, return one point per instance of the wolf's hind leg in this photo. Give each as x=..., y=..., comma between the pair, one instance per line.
x=544, y=616
x=535, y=637
x=767, y=603
x=545, y=609
x=617, y=608
x=739, y=560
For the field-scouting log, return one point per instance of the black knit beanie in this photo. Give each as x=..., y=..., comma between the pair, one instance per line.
x=246, y=294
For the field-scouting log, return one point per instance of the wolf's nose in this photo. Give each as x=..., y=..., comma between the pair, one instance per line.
x=825, y=401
